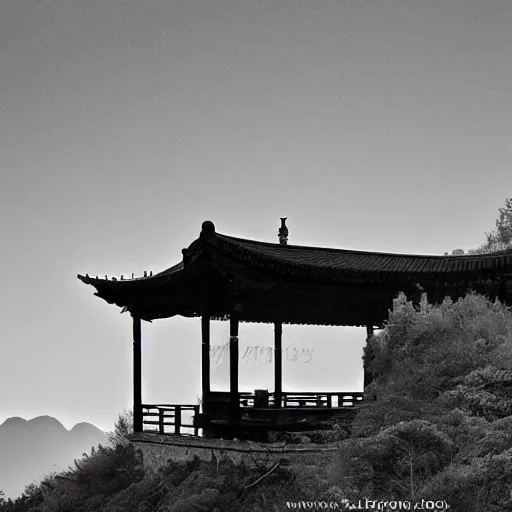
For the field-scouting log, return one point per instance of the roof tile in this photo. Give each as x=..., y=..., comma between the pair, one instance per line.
x=326, y=261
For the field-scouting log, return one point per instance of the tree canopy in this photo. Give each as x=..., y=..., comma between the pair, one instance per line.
x=501, y=238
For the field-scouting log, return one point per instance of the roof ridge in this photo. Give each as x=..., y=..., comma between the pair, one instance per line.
x=359, y=252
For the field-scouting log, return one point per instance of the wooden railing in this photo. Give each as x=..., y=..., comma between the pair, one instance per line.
x=291, y=400
x=168, y=418
x=329, y=399
x=161, y=413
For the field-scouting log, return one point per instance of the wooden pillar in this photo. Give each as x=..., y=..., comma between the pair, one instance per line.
x=278, y=363
x=205, y=359
x=368, y=377
x=233, y=368
x=137, y=376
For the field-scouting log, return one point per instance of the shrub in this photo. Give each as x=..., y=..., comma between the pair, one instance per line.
x=123, y=426
x=107, y=470
x=441, y=384
x=484, y=485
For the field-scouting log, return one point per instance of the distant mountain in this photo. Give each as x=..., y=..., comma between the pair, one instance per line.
x=29, y=449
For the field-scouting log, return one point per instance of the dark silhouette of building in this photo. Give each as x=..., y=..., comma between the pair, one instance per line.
x=238, y=280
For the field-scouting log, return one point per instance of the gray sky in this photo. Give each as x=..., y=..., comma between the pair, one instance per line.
x=375, y=125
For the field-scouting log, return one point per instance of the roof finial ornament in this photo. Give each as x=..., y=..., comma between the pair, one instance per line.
x=145, y=273
x=283, y=232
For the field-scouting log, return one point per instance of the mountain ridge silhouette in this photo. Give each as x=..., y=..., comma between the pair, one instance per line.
x=30, y=449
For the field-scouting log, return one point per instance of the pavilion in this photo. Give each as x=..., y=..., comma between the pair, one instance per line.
x=222, y=277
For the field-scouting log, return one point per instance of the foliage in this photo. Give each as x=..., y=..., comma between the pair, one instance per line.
x=440, y=422
x=439, y=344
x=483, y=485
x=395, y=462
x=107, y=471
x=501, y=238
x=123, y=427
x=97, y=477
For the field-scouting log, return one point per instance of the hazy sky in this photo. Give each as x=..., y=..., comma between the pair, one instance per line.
x=378, y=125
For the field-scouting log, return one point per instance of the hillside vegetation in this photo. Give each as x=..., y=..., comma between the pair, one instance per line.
x=439, y=421
x=438, y=426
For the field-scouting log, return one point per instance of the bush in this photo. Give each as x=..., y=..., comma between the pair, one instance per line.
x=123, y=427
x=482, y=485
x=108, y=470
x=440, y=407
x=397, y=461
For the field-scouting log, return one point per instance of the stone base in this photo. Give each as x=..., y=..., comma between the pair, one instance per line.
x=158, y=449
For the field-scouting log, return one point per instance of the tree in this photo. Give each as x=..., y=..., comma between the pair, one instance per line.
x=501, y=238
x=122, y=428
x=504, y=223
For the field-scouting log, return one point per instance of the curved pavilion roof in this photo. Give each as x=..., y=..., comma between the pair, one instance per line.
x=270, y=276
